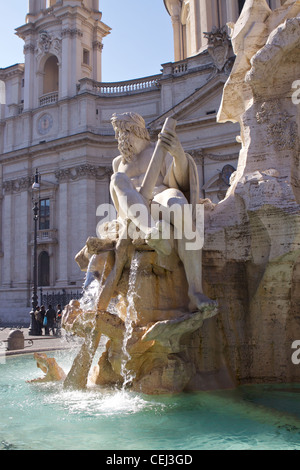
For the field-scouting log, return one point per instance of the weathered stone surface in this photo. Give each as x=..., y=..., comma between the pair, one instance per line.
x=160, y=348
x=53, y=372
x=251, y=252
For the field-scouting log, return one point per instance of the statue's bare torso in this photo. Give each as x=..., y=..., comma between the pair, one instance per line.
x=137, y=167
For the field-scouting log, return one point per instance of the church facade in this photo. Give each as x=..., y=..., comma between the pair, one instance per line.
x=55, y=118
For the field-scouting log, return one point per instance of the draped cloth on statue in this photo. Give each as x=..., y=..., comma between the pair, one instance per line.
x=192, y=195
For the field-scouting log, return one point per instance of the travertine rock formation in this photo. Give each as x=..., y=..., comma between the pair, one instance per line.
x=152, y=335
x=252, y=247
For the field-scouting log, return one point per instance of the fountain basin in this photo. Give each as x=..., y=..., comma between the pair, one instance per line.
x=45, y=416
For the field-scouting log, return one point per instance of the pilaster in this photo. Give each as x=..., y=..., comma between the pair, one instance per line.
x=8, y=240
x=232, y=10
x=63, y=225
x=29, y=74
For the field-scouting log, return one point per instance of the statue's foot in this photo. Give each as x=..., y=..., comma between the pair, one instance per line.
x=154, y=239
x=202, y=303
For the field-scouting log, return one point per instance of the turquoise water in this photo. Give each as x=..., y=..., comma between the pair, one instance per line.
x=44, y=416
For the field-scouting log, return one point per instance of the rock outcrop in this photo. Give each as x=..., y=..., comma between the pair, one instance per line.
x=251, y=257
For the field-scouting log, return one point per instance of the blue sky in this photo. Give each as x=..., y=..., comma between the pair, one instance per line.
x=140, y=41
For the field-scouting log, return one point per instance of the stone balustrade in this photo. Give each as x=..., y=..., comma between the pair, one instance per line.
x=49, y=98
x=45, y=236
x=180, y=67
x=139, y=85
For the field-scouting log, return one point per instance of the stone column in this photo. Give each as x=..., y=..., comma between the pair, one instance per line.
x=206, y=20
x=20, y=249
x=29, y=75
x=66, y=60
x=7, y=231
x=83, y=201
x=76, y=61
x=177, y=31
x=63, y=235
x=71, y=58
x=32, y=6
x=232, y=10
x=97, y=61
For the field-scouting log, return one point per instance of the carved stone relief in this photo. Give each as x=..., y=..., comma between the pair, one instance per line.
x=17, y=185
x=48, y=44
x=82, y=171
x=218, y=46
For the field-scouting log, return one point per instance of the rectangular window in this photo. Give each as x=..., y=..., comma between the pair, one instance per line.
x=86, y=57
x=44, y=216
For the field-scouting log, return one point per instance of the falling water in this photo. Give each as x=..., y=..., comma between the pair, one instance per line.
x=131, y=317
x=92, y=288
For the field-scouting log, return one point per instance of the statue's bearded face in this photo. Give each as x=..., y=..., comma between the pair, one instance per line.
x=126, y=144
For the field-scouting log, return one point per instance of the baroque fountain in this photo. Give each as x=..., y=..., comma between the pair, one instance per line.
x=187, y=309
x=182, y=294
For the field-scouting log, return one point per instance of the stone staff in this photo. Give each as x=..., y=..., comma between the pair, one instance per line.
x=156, y=162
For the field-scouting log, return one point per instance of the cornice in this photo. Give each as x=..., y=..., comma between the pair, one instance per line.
x=83, y=171
x=64, y=175
x=17, y=69
x=71, y=141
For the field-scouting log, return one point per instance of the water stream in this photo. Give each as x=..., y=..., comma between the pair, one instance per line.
x=92, y=288
x=131, y=317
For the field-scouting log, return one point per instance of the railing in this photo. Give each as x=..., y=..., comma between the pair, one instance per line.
x=49, y=98
x=58, y=298
x=139, y=85
x=45, y=236
x=179, y=68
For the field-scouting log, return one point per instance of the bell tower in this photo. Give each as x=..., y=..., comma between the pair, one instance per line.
x=63, y=43
x=193, y=19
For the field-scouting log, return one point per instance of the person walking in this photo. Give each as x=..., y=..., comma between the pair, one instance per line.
x=58, y=320
x=39, y=320
x=43, y=319
x=51, y=320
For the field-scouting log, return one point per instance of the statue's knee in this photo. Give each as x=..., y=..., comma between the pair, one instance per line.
x=120, y=180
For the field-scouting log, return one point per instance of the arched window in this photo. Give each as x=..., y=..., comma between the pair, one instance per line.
x=44, y=269
x=50, y=75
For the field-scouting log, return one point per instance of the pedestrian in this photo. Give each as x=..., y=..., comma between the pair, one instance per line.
x=39, y=320
x=58, y=320
x=51, y=320
x=42, y=316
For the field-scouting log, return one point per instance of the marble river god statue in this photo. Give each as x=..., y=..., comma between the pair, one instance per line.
x=149, y=260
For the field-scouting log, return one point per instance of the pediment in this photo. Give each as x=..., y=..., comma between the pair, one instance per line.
x=201, y=105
